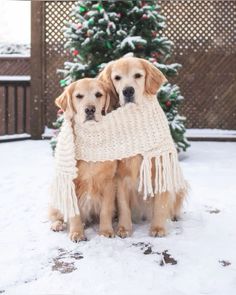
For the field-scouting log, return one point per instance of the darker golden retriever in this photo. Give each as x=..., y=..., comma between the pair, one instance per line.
x=132, y=80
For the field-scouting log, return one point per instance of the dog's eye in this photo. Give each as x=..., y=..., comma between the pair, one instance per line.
x=117, y=78
x=98, y=94
x=80, y=96
x=137, y=76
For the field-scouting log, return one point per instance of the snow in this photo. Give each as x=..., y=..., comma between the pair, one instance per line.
x=48, y=133
x=10, y=50
x=131, y=40
x=210, y=133
x=202, y=243
x=15, y=78
x=14, y=136
x=15, y=22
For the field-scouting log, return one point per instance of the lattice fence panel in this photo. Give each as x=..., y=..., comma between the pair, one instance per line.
x=56, y=12
x=14, y=66
x=205, y=44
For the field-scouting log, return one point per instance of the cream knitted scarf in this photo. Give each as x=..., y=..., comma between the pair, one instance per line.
x=128, y=131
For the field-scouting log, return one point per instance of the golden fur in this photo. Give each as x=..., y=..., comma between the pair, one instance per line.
x=145, y=79
x=95, y=184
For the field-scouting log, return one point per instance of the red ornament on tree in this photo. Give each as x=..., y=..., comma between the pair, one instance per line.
x=154, y=34
x=168, y=103
x=155, y=54
x=119, y=14
x=144, y=16
x=79, y=26
x=75, y=52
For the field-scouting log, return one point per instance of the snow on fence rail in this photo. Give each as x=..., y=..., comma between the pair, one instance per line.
x=14, y=105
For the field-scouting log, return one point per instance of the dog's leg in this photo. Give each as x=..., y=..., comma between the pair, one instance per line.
x=123, y=201
x=161, y=213
x=177, y=206
x=107, y=210
x=76, y=233
x=57, y=219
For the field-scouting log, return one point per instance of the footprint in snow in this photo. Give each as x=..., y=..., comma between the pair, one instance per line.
x=212, y=210
x=224, y=263
x=58, y=263
x=165, y=257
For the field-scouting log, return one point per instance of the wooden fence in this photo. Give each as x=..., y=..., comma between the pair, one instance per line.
x=14, y=105
x=205, y=44
x=14, y=65
x=14, y=97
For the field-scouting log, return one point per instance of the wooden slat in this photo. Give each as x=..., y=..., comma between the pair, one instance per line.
x=6, y=108
x=15, y=110
x=11, y=109
x=20, y=109
x=27, y=110
x=2, y=110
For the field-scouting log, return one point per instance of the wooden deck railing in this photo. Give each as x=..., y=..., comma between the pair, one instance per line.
x=14, y=105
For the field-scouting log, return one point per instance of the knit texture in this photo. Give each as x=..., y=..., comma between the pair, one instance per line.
x=126, y=132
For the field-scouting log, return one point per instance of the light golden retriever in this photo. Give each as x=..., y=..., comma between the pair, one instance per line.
x=132, y=80
x=95, y=185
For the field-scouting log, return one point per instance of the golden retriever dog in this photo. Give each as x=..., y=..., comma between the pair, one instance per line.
x=87, y=99
x=132, y=80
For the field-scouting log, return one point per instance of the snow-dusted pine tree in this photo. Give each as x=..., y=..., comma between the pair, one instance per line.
x=106, y=30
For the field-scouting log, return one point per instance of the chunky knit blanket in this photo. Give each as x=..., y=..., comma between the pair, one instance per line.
x=128, y=131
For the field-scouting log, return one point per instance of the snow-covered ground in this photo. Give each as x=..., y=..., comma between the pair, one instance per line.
x=202, y=246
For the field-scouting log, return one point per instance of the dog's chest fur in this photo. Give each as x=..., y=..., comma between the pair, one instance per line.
x=90, y=183
x=129, y=168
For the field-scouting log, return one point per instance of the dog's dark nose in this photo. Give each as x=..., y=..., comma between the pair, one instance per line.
x=128, y=92
x=90, y=110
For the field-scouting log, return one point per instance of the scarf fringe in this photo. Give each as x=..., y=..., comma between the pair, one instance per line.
x=168, y=175
x=63, y=196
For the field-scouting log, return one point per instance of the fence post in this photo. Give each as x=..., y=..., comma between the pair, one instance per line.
x=37, y=67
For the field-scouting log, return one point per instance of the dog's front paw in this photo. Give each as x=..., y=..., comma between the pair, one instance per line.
x=57, y=226
x=77, y=237
x=157, y=231
x=108, y=233
x=122, y=232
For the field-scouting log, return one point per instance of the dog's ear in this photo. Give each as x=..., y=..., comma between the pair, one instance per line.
x=105, y=76
x=64, y=101
x=106, y=88
x=107, y=104
x=154, y=78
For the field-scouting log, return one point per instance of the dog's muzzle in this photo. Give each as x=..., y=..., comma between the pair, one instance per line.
x=128, y=93
x=90, y=112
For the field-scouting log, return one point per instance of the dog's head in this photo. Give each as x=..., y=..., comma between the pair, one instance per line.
x=87, y=99
x=131, y=79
